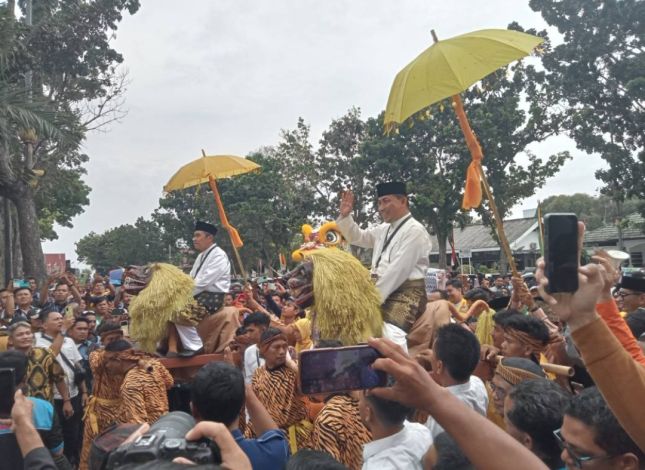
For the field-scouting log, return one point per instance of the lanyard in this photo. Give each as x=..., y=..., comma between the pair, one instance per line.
x=204, y=260
x=389, y=239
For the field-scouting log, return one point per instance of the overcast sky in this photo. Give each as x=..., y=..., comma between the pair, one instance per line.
x=228, y=75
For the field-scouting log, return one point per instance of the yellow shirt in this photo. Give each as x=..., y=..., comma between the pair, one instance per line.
x=303, y=325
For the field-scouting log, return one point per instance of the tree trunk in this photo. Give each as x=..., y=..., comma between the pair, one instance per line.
x=33, y=259
x=442, y=239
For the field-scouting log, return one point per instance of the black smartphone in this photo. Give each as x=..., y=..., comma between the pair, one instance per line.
x=561, y=252
x=330, y=370
x=7, y=391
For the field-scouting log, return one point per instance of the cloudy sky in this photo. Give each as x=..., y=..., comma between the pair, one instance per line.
x=228, y=75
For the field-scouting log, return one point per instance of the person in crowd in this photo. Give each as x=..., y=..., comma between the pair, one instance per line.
x=308, y=459
x=78, y=333
x=482, y=313
x=445, y=454
x=143, y=392
x=7, y=306
x=276, y=385
x=255, y=325
x=532, y=411
x=510, y=372
x=68, y=358
x=396, y=443
x=338, y=428
x=632, y=294
x=401, y=248
x=424, y=331
x=437, y=294
x=455, y=291
x=36, y=414
x=33, y=286
x=525, y=336
x=65, y=286
x=24, y=311
x=592, y=437
x=102, y=309
x=92, y=336
x=218, y=394
x=455, y=354
x=103, y=406
x=44, y=373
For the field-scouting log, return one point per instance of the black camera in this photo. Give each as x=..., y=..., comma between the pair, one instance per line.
x=166, y=440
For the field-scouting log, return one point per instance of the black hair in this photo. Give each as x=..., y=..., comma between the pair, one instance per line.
x=458, y=349
x=107, y=327
x=31, y=278
x=442, y=293
x=217, y=392
x=81, y=320
x=43, y=315
x=240, y=331
x=258, y=319
x=591, y=408
x=61, y=283
x=533, y=327
x=308, y=459
x=456, y=283
x=18, y=289
x=524, y=364
x=500, y=317
x=98, y=300
x=269, y=333
x=14, y=360
x=538, y=409
x=329, y=343
x=118, y=345
x=390, y=413
x=476, y=294
x=449, y=454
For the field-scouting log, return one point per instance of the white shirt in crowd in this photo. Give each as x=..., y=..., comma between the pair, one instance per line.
x=401, y=451
x=252, y=361
x=407, y=256
x=472, y=393
x=215, y=273
x=70, y=351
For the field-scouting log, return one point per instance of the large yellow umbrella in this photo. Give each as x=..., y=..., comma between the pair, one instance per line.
x=446, y=69
x=208, y=169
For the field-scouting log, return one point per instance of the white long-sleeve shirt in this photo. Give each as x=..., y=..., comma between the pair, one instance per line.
x=215, y=273
x=407, y=257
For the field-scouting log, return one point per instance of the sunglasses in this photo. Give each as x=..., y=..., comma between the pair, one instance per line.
x=578, y=460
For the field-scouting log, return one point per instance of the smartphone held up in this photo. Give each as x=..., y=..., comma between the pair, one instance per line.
x=561, y=256
x=331, y=370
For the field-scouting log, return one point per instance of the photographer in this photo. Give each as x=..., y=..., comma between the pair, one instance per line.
x=33, y=425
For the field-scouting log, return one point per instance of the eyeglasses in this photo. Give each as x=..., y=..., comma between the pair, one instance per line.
x=622, y=295
x=578, y=460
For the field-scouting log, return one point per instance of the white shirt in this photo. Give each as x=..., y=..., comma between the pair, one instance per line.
x=70, y=351
x=252, y=361
x=401, y=451
x=215, y=273
x=472, y=393
x=407, y=257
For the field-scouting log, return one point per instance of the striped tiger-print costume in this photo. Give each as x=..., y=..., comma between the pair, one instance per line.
x=144, y=395
x=277, y=391
x=338, y=430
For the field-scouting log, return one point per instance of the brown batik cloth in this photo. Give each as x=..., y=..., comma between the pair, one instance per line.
x=406, y=304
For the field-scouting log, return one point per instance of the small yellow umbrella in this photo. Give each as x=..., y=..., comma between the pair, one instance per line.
x=446, y=69
x=208, y=169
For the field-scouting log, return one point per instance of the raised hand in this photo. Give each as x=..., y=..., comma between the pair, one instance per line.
x=346, y=203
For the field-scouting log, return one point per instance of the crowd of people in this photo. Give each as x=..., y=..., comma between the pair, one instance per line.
x=488, y=373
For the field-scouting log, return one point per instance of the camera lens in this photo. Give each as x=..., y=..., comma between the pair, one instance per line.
x=174, y=425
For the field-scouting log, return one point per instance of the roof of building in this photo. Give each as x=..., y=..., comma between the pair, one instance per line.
x=477, y=237
x=609, y=232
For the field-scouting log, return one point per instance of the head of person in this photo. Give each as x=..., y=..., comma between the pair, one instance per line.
x=126, y=298
x=217, y=393
x=392, y=201
x=61, y=293
x=22, y=337
x=255, y=324
x=4, y=295
x=23, y=297
x=203, y=235
x=437, y=294
x=228, y=300
x=290, y=310
x=454, y=289
x=485, y=283
x=632, y=292
x=79, y=330
x=532, y=411
x=102, y=306
x=499, y=282
x=273, y=348
x=52, y=321
x=378, y=413
x=90, y=316
x=473, y=295
x=276, y=299
x=510, y=372
x=309, y=459
x=499, y=320
x=454, y=356
x=524, y=336
x=592, y=438
x=18, y=362
x=115, y=361
x=98, y=287
x=33, y=283
x=109, y=332
x=445, y=454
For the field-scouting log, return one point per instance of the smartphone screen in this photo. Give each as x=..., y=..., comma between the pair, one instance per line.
x=7, y=391
x=561, y=252
x=329, y=370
